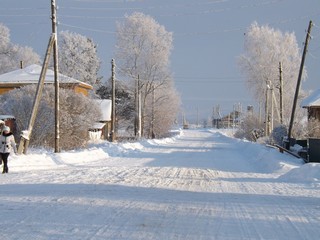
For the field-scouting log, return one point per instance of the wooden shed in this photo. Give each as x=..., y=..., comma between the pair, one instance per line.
x=31, y=74
x=101, y=129
x=312, y=104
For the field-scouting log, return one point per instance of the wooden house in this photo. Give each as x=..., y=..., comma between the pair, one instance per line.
x=312, y=104
x=31, y=74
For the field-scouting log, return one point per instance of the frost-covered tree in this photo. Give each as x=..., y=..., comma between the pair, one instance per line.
x=163, y=114
x=77, y=114
x=264, y=49
x=4, y=37
x=142, y=52
x=78, y=57
x=313, y=128
x=11, y=54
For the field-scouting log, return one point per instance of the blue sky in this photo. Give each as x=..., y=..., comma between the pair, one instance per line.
x=208, y=38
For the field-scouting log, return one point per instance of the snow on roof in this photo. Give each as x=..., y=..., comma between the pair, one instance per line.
x=105, y=106
x=6, y=117
x=98, y=125
x=313, y=100
x=31, y=74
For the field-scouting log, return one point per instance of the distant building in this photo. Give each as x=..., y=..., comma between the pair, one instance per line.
x=101, y=129
x=312, y=104
x=31, y=74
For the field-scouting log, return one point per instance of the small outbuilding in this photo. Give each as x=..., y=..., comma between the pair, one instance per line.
x=312, y=104
x=101, y=129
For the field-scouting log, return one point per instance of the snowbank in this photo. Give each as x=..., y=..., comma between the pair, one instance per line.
x=309, y=172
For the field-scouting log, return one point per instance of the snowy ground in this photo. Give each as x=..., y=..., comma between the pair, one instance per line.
x=200, y=184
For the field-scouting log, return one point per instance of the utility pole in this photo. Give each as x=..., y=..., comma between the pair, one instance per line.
x=25, y=136
x=139, y=109
x=113, y=107
x=52, y=45
x=280, y=92
x=136, y=108
x=308, y=36
x=271, y=120
x=56, y=72
x=260, y=112
x=137, y=123
x=267, y=112
x=197, y=117
x=153, y=113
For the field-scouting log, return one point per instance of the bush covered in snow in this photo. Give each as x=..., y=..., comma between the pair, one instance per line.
x=77, y=114
x=250, y=128
x=278, y=134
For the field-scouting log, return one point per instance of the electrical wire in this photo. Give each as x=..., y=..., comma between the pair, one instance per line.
x=87, y=29
x=179, y=6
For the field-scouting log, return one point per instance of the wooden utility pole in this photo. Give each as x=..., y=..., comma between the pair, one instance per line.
x=280, y=93
x=136, y=108
x=113, y=107
x=25, y=136
x=139, y=113
x=308, y=36
x=52, y=45
x=271, y=110
x=197, y=116
x=56, y=73
x=153, y=113
x=137, y=123
x=267, y=112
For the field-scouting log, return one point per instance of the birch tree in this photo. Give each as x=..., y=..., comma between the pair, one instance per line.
x=78, y=57
x=264, y=48
x=143, y=51
x=11, y=54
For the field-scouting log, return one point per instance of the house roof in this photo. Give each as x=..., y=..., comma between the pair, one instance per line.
x=31, y=75
x=6, y=117
x=312, y=101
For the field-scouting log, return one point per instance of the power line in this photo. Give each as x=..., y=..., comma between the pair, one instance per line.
x=200, y=81
x=89, y=17
x=22, y=9
x=188, y=77
x=87, y=29
x=98, y=9
x=24, y=15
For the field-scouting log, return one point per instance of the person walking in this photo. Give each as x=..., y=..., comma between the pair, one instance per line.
x=7, y=143
x=2, y=125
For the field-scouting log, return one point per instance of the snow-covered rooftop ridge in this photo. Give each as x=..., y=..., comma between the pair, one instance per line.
x=31, y=74
x=312, y=100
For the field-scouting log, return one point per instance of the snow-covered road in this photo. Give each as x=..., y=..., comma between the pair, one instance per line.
x=198, y=185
